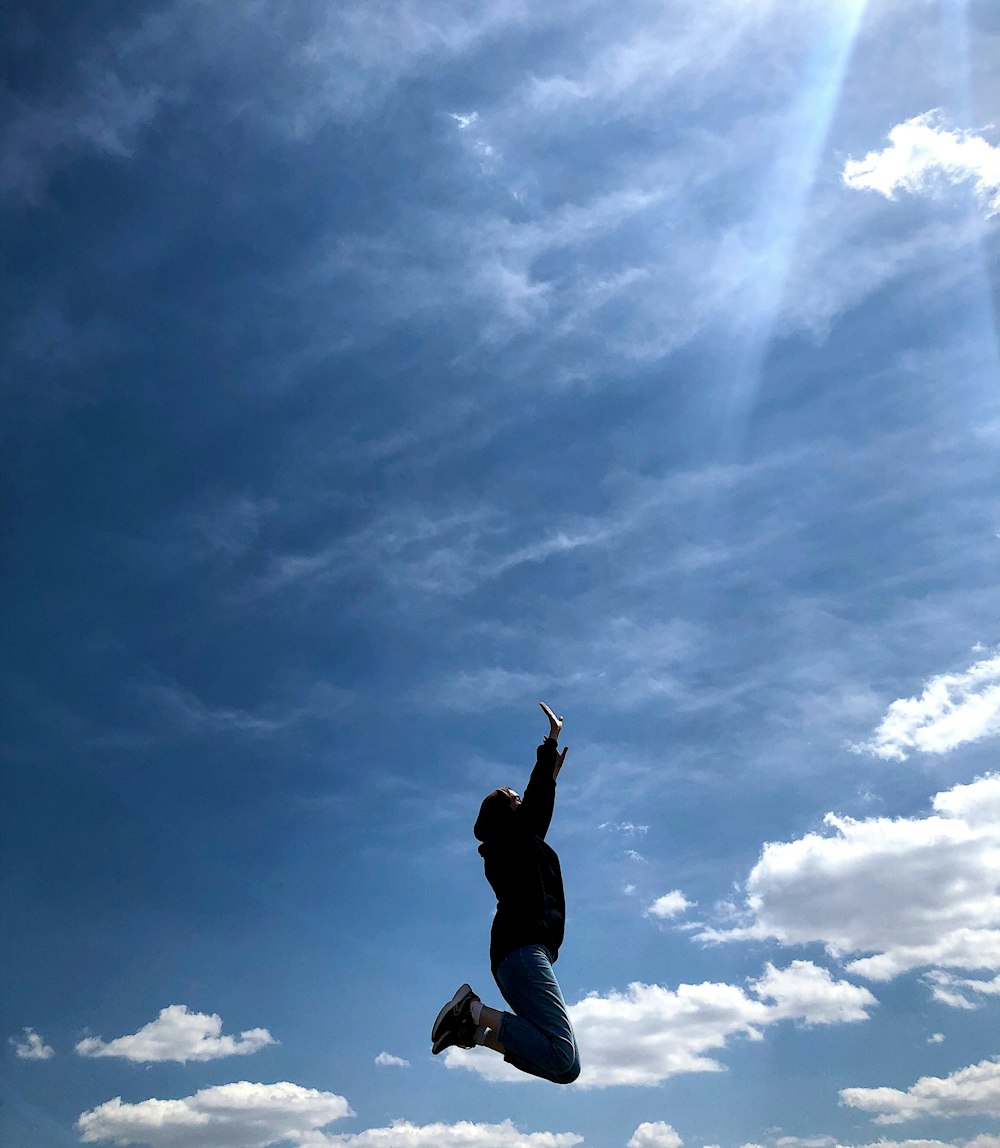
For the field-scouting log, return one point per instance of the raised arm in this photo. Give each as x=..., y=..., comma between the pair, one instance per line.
x=540, y=793
x=555, y=729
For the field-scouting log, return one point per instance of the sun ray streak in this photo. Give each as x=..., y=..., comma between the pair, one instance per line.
x=783, y=202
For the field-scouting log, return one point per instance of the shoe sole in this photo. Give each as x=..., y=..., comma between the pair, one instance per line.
x=442, y=1016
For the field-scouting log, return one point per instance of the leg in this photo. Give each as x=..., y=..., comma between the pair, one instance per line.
x=539, y=1038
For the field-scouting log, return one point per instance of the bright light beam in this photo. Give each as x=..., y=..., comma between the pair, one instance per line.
x=782, y=207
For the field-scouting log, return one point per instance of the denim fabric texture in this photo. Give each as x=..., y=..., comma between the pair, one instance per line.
x=538, y=1038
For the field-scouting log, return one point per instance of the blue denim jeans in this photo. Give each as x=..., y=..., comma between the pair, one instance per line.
x=538, y=1038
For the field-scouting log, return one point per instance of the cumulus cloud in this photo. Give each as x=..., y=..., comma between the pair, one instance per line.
x=671, y=904
x=912, y=892
x=658, y=1135
x=178, y=1034
x=239, y=1115
x=387, y=1060
x=804, y=991
x=960, y=992
x=648, y=1033
x=922, y=154
x=952, y=710
x=972, y=1091
x=464, y=1134
x=32, y=1047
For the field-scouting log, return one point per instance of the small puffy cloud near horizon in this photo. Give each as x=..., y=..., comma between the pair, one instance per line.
x=180, y=1035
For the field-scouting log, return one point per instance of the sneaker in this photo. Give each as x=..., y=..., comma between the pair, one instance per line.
x=454, y=1021
x=461, y=1037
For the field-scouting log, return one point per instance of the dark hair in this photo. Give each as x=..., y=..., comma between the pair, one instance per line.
x=496, y=816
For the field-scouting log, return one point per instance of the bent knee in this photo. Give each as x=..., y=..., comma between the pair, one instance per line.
x=567, y=1070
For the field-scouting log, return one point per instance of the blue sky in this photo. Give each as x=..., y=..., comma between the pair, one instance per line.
x=372, y=372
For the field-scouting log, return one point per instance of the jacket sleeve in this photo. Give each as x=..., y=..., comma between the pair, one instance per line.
x=540, y=794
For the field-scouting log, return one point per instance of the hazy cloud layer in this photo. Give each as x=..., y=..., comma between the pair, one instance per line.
x=180, y=1035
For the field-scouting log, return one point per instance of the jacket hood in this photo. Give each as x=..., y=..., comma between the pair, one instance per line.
x=496, y=818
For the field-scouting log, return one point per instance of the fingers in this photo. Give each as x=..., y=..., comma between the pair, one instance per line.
x=555, y=721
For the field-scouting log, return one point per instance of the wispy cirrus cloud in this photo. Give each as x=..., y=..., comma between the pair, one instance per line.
x=971, y=1091
x=923, y=155
x=953, y=709
x=180, y=1035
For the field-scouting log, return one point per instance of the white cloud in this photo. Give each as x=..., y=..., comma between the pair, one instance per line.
x=387, y=1060
x=463, y=1134
x=671, y=904
x=912, y=892
x=239, y=1115
x=804, y=991
x=464, y=121
x=655, y=1135
x=985, y=1141
x=936, y=1038
x=32, y=1047
x=626, y=827
x=922, y=154
x=955, y=991
x=972, y=1091
x=178, y=1034
x=649, y=1033
x=952, y=710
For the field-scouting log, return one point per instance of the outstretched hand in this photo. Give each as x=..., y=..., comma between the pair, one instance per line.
x=555, y=723
x=555, y=729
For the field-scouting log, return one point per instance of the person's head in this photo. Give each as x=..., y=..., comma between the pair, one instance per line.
x=496, y=813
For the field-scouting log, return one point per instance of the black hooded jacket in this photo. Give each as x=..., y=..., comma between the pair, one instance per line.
x=523, y=870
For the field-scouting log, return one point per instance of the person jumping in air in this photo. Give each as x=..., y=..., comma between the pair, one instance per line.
x=537, y=1036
